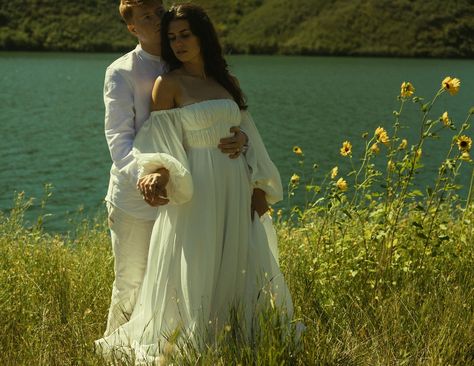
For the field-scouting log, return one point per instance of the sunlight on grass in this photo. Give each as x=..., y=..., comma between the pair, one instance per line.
x=379, y=270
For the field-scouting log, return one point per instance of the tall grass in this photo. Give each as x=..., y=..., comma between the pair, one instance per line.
x=378, y=276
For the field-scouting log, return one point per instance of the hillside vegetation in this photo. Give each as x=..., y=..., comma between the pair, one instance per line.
x=433, y=28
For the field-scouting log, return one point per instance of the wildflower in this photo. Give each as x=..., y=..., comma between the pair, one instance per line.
x=341, y=184
x=271, y=211
x=227, y=328
x=465, y=156
x=295, y=179
x=445, y=118
x=375, y=148
x=280, y=213
x=334, y=172
x=346, y=148
x=418, y=153
x=451, y=85
x=403, y=144
x=464, y=143
x=381, y=135
x=390, y=165
x=407, y=89
x=297, y=150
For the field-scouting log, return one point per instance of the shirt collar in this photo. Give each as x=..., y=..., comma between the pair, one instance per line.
x=145, y=54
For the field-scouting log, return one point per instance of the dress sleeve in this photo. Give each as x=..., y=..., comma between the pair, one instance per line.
x=159, y=144
x=263, y=172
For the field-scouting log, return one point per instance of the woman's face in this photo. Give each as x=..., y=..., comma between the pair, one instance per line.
x=183, y=42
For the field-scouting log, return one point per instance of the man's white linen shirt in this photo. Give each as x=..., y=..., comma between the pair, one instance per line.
x=128, y=85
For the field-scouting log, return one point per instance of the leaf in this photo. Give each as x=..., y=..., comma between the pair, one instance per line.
x=347, y=213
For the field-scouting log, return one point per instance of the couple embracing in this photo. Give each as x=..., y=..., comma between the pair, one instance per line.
x=184, y=197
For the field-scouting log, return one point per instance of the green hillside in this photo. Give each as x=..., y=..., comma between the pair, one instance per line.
x=330, y=27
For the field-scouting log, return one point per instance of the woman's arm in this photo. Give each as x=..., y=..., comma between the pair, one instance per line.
x=153, y=186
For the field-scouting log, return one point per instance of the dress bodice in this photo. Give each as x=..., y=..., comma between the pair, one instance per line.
x=205, y=123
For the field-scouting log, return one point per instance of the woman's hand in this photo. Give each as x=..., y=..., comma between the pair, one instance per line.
x=259, y=202
x=233, y=145
x=153, y=187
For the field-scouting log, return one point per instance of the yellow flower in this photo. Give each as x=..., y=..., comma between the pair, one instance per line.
x=334, y=172
x=279, y=213
x=464, y=143
x=341, y=184
x=381, y=135
x=346, y=148
x=445, y=118
x=418, y=153
x=295, y=179
x=390, y=165
x=297, y=150
x=375, y=148
x=271, y=211
x=403, y=144
x=407, y=89
x=465, y=156
x=450, y=84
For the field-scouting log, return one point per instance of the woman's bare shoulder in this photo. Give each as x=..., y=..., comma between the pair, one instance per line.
x=165, y=91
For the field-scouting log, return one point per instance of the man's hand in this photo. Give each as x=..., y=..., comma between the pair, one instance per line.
x=259, y=203
x=153, y=187
x=233, y=145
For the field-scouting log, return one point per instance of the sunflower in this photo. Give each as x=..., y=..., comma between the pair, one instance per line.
x=464, y=143
x=381, y=135
x=418, y=153
x=375, y=148
x=297, y=150
x=446, y=120
x=407, y=89
x=295, y=179
x=391, y=165
x=403, y=144
x=346, y=148
x=450, y=84
x=465, y=156
x=334, y=172
x=341, y=184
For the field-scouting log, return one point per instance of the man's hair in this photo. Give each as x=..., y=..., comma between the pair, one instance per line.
x=126, y=7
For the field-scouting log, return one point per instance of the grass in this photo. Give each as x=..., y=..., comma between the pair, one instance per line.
x=379, y=277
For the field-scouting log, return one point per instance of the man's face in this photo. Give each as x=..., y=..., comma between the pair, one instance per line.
x=145, y=24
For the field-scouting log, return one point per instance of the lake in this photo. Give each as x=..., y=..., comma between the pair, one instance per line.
x=52, y=118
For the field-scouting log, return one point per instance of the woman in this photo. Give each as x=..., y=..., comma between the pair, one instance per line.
x=208, y=255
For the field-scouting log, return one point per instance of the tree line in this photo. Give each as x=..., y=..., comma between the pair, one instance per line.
x=420, y=28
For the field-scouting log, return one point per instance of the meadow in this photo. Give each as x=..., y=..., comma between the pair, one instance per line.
x=379, y=270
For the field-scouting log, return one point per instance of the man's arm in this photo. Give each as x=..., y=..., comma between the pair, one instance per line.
x=120, y=123
x=234, y=145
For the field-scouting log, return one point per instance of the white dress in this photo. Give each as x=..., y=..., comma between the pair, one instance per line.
x=206, y=254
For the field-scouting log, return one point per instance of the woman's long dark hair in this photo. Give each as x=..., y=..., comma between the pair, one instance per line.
x=201, y=26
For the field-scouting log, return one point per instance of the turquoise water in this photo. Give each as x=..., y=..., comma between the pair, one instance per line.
x=52, y=117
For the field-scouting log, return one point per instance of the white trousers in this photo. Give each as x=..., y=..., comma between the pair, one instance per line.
x=130, y=242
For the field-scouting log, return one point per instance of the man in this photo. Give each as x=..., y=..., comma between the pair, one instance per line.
x=127, y=95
